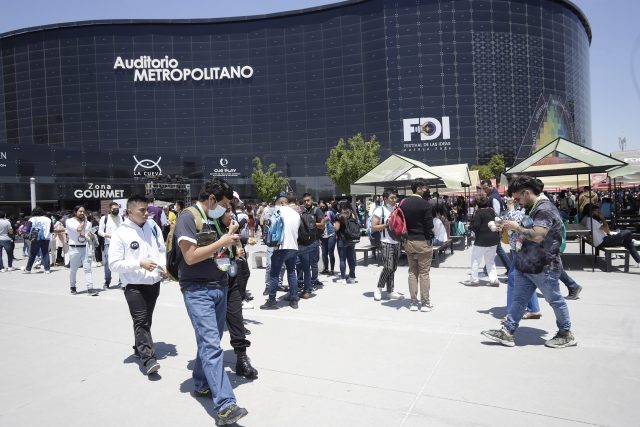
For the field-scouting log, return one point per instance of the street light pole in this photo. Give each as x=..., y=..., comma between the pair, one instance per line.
x=32, y=182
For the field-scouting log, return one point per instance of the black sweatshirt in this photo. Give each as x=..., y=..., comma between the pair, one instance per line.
x=419, y=219
x=480, y=225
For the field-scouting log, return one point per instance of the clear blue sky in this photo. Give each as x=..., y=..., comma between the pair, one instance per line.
x=615, y=49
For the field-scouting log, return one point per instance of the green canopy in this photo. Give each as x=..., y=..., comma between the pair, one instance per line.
x=563, y=157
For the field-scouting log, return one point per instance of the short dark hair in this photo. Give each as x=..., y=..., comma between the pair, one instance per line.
x=2, y=214
x=37, y=211
x=180, y=203
x=523, y=182
x=482, y=200
x=114, y=204
x=388, y=192
x=417, y=183
x=136, y=198
x=307, y=195
x=486, y=182
x=218, y=188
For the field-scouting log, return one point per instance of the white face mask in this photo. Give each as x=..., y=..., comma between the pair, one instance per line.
x=217, y=212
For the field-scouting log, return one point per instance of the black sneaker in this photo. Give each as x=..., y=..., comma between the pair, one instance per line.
x=265, y=292
x=500, y=335
x=231, y=414
x=574, y=293
x=325, y=272
x=562, y=339
x=206, y=393
x=106, y=286
x=152, y=367
x=269, y=305
x=294, y=304
x=92, y=292
x=74, y=291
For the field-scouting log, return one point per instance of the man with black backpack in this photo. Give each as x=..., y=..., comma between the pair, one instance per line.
x=107, y=226
x=311, y=226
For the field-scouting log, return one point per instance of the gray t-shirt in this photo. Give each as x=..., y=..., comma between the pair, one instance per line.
x=5, y=229
x=533, y=257
x=205, y=271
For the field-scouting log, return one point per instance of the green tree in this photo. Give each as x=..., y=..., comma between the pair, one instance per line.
x=350, y=160
x=492, y=169
x=268, y=183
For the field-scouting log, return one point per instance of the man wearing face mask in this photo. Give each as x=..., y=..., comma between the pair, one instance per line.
x=138, y=254
x=204, y=284
x=106, y=228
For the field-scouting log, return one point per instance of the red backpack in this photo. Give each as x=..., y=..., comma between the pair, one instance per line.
x=397, y=223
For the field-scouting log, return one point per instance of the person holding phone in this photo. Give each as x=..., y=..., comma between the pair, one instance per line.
x=137, y=252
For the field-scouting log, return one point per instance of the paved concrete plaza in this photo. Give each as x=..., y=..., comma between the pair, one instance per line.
x=340, y=360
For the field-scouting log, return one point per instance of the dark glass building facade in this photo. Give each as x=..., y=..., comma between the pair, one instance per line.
x=117, y=102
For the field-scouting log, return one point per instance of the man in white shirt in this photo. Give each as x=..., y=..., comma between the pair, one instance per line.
x=39, y=231
x=286, y=253
x=137, y=252
x=79, y=231
x=601, y=236
x=390, y=248
x=6, y=242
x=106, y=228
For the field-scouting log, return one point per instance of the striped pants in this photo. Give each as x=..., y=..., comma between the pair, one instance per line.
x=390, y=254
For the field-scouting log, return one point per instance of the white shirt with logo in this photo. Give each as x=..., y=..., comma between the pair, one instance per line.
x=291, y=220
x=77, y=238
x=43, y=223
x=380, y=212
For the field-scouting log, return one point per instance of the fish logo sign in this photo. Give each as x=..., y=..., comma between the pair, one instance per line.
x=147, y=167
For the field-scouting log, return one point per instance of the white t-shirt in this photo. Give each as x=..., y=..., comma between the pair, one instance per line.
x=5, y=228
x=43, y=223
x=76, y=238
x=598, y=234
x=291, y=220
x=108, y=225
x=439, y=232
x=383, y=212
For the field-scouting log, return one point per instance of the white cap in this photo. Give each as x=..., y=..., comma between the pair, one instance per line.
x=235, y=195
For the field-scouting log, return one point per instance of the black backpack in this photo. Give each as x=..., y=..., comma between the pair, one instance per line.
x=307, y=230
x=351, y=230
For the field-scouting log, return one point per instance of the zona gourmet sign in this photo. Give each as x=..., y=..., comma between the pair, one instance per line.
x=148, y=69
x=98, y=191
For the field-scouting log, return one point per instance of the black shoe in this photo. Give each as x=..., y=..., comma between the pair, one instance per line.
x=206, y=393
x=152, y=366
x=247, y=332
x=92, y=292
x=231, y=414
x=135, y=352
x=325, y=272
x=106, y=286
x=265, y=292
x=74, y=291
x=248, y=297
x=294, y=304
x=574, y=293
x=281, y=288
x=244, y=368
x=269, y=305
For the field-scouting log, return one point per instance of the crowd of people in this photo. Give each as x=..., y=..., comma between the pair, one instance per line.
x=203, y=247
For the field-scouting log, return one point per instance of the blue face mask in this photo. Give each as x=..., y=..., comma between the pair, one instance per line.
x=217, y=212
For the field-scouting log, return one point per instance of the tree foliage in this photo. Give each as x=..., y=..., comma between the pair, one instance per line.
x=492, y=169
x=267, y=183
x=349, y=161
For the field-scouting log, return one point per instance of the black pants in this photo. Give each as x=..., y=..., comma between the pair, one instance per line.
x=623, y=238
x=235, y=320
x=243, y=276
x=142, y=300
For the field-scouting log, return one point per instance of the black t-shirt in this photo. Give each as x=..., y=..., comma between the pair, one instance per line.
x=533, y=257
x=205, y=271
x=319, y=216
x=419, y=218
x=480, y=225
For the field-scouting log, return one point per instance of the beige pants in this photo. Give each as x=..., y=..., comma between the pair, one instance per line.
x=419, y=254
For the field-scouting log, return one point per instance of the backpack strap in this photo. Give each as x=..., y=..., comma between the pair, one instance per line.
x=197, y=216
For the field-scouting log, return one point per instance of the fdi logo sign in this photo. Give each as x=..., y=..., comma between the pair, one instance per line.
x=421, y=133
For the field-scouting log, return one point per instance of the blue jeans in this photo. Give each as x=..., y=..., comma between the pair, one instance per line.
x=328, y=252
x=267, y=271
x=568, y=281
x=105, y=260
x=525, y=285
x=7, y=245
x=288, y=258
x=207, y=309
x=314, y=257
x=303, y=266
x=77, y=258
x=533, y=306
x=38, y=246
x=347, y=254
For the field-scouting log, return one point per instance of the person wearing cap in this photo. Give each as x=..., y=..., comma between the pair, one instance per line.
x=137, y=252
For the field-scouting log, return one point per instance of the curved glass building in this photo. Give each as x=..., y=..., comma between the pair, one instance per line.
x=449, y=81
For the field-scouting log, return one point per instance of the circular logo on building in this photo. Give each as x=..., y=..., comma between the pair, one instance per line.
x=224, y=162
x=134, y=245
x=429, y=128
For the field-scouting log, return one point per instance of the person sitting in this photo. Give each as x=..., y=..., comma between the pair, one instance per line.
x=593, y=218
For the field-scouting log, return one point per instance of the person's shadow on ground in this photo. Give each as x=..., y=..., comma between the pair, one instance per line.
x=496, y=312
x=523, y=336
x=162, y=349
x=398, y=304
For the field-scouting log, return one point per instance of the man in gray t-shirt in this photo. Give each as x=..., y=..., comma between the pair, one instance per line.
x=6, y=242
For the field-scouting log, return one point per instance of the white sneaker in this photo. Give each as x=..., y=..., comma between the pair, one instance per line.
x=3, y=270
x=414, y=306
x=377, y=295
x=351, y=280
x=47, y=272
x=246, y=305
x=393, y=295
x=26, y=271
x=426, y=307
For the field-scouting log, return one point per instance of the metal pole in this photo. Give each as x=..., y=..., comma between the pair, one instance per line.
x=32, y=185
x=593, y=255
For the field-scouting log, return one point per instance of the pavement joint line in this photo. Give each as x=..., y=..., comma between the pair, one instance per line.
x=426, y=382
x=451, y=399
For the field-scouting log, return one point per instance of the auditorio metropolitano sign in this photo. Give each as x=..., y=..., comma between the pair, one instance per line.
x=148, y=69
